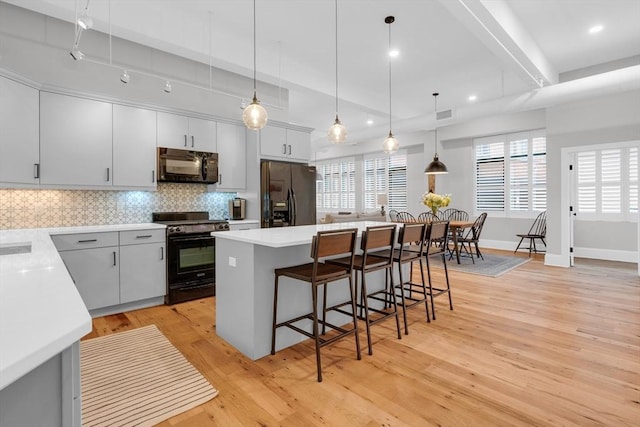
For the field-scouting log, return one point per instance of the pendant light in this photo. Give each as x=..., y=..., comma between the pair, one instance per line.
x=337, y=133
x=390, y=145
x=254, y=115
x=436, y=167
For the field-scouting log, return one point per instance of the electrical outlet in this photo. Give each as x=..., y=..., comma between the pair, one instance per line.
x=232, y=261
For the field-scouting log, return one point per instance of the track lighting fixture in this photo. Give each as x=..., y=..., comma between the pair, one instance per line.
x=167, y=87
x=76, y=54
x=124, y=78
x=85, y=22
x=254, y=115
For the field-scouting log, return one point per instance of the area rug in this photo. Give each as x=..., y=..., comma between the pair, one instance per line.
x=493, y=265
x=137, y=378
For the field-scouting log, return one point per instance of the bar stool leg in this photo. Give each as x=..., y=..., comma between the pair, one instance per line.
x=275, y=312
x=324, y=310
x=355, y=317
x=433, y=309
x=316, y=336
x=446, y=275
x=404, y=307
x=366, y=310
x=424, y=291
x=393, y=299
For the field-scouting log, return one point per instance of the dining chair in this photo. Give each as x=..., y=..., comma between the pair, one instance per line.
x=538, y=230
x=393, y=215
x=446, y=214
x=405, y=217
x=428, y=217
x=332, y=243
x=458, y=215
x=472, y=236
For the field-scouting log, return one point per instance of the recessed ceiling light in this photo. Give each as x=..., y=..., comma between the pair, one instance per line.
x=393, y=53
x=595, y=29
x=369, y=122
x=472, y=98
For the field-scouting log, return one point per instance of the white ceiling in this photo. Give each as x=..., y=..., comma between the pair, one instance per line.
x=489, y=48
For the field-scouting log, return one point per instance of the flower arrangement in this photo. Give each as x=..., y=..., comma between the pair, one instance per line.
x=435, y=201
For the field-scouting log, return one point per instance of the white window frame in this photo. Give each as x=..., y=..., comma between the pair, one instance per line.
x=340, y=198
x=396, y=194
x=627, y=183
x=505, y=187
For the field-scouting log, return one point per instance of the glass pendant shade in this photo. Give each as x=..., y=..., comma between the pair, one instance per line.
x=390, y=145
x=254, y=115
x=436, y=167
x=337, y=133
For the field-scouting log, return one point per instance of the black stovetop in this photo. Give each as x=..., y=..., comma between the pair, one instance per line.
x=185, y=218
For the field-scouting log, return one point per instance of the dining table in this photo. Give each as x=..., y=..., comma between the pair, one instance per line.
x=455, y=226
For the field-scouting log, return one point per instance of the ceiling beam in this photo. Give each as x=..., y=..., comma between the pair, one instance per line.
x=495, y=24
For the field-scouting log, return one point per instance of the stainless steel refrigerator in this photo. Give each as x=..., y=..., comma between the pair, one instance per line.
x=288, y=194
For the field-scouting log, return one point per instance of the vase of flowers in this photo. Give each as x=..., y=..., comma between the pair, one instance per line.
x=435, y=201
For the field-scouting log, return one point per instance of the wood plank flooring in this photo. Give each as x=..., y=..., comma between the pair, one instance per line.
x=538, y=346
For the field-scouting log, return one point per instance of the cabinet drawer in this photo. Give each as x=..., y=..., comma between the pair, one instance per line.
x=71, y=242
x=137, y=237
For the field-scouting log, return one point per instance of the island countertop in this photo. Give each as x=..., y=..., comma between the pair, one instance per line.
x=282, y=237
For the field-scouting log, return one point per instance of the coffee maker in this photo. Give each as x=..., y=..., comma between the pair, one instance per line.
x=237, y=208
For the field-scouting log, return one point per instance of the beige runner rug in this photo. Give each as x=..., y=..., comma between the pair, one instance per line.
x=137, y=378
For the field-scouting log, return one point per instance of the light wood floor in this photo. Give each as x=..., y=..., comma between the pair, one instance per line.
x=537, y=346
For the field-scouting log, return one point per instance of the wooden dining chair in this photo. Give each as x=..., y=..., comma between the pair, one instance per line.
x=428, y=217
x=472, y=236
x=393, y=215
x=405, y=217
x=538, y=230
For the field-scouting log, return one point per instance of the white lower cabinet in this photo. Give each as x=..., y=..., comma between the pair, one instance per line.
x=142, y=265
x=131, y=267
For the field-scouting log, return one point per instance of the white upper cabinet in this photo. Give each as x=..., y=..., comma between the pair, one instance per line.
x=285, y=144
x=19, y=133
x=134, y=147
x=75, y=141
x=186, y=133
x=232, y=162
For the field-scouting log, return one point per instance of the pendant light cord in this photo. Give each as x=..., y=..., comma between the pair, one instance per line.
x=390, y=133
x=435, y=109
x=254, y=48
x=336, y=7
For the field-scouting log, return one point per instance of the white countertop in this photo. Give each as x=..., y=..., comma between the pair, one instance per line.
x=280, y=237
x=41, y=311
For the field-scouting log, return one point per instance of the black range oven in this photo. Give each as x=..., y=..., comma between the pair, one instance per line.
x=191, y=254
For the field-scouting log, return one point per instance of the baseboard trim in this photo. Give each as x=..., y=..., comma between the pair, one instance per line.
x=606, y=254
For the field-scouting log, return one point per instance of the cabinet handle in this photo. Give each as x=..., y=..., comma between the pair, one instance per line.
x=193, y=141
x=146, y=236
x=108, y=174
x=88, y=241
x=219, y=179
x=114, y=258
x=161, y=252
x=185, y=140
x=284, y=148
x=153, y=176
x=289, y=149
x=36, y=170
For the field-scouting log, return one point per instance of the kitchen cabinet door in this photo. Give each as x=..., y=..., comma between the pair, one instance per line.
x=173, y=131
x=134, y=147
x=202, y=135
x=95, y=273
x=19, y=133
x=298, y=145
x=75, y=141
x=232, y=153
x=273, y=142
x=142, y=272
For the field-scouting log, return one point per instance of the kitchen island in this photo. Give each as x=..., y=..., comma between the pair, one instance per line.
x=245, y=261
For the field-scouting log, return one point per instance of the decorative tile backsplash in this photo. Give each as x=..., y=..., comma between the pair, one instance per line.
x=62, y=208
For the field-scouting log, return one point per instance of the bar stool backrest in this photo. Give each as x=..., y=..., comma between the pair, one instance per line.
x=411, y=234
x=377, y=238
x=333, y=243
x=437, y=234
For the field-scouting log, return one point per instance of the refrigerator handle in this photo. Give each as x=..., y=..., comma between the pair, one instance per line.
x=295, y=207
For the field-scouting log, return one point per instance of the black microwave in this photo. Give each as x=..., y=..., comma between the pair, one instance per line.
x=176, y=165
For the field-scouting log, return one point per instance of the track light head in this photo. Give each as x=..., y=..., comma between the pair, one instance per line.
x=167, y=87
x=85, y=22
x=76, y=54
x=124, y=78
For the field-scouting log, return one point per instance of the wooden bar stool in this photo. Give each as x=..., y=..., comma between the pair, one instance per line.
x=409, y=250
x=377, y=238
x=436, y=243
x=335, y=243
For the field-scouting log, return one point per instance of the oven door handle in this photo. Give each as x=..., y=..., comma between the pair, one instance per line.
x=191, y=239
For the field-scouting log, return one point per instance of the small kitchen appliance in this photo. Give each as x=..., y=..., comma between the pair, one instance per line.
x=237, y=208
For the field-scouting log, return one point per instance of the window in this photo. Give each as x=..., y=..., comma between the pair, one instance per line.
x=337, y=190
x=607, y=182
x=511, y=173
x=386, y=175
